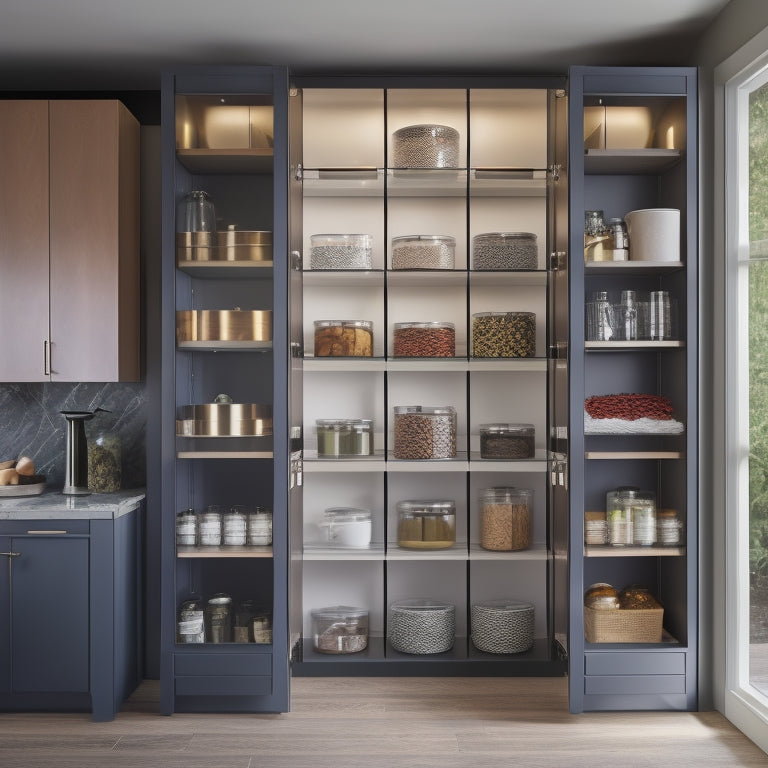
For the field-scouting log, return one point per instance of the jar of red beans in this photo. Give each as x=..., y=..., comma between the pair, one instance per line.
x=432, y=339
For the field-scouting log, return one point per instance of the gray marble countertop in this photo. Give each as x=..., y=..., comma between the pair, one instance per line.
x=54, y=505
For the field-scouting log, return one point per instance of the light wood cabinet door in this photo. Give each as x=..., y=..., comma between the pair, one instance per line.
x=24, y=237
x=94, y=243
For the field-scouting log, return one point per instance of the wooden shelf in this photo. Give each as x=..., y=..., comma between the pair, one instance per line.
x=225, y=346
x=222, y=551
x=607, y=550
x=630, y=161
x=259, y=160
x=622, y=455
x=224, y=455
x=633, y=345
x=227, y=269
x=631, y=267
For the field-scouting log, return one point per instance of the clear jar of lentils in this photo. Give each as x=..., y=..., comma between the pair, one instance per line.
x=504, y=334
x=423, y=432
x=423, y=252
x=505, y=519
x=507, y=441
x=341, y=251
x=504, y=250
x=424, y=340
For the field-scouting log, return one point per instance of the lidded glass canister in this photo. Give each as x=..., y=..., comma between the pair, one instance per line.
x=596, y=237
x=186, y=528
x=423, y=432
x=426, y=524
x=505, y=519
x=424, y=339
x=218, y=618
x=631, y=517
x=234, y=525
x=507, y=441
x=191, y=623
x=104, y=464
x=260, y=527
x=343, y=338
x=210, y=527
x=344, y=437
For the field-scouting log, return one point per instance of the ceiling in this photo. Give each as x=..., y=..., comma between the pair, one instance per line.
x=106, y=44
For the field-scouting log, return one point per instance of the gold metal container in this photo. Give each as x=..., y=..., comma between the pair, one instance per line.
x=224, y=420
x=226, y=245
x=223, y=325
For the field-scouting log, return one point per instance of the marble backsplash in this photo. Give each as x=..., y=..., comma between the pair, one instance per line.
x=31, y=425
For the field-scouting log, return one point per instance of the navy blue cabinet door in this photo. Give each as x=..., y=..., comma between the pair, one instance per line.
x=49, y=614
x=5, y=613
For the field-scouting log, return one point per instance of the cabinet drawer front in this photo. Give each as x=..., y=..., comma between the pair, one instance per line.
x=45, y=527
x=634, y=684
x=217, y=665
x=225, y=685
x=634, y=663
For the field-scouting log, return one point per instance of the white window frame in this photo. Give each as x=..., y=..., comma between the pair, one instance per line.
x=735, y=79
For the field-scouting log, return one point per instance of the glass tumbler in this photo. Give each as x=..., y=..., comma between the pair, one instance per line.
x=661, y=316
x=600, y=320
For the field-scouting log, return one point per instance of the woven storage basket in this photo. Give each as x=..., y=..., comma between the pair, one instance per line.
x=623, y=626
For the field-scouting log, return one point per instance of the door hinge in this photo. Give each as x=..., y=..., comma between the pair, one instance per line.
x=554, y=170
x=556, y=260
x=298, y=174
x=558, y=350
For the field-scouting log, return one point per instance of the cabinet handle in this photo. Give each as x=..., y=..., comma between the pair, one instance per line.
x=46, y=533
x=47, y=357
x=11, y=554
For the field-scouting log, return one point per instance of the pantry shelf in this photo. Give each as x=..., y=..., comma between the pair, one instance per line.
x=610, y=551
x=224, y=552
x=259, y=160
x=261, y=270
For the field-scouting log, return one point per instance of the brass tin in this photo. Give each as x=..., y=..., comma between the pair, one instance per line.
x=224, y=420
x=226, y=245
x=223, y=325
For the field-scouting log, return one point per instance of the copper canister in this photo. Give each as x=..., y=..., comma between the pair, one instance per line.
x=224, y=420
x=223, y=325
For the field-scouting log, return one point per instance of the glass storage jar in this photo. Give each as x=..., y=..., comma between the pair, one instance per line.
x=423, y=432
x=504, y=334
x=504, y=250
x=505, y=519
x=618, y=515
x=597, y=238
x=426, y=524
x=595, y=528
x=423, y=252
x=669, y=528
x=347, y=526
x=343, y=338
x=104, y=468
x=507, y=441
x=340, y=629
x=619, y=242
x=234, y=525
x=196, y=216
x=260, y=527
x=218, y=618
x=340, y=251
x=425, y=146
x=191, y=623
x=243, y=616
x=428, y=339
x=210, y=527
x=186, y=528
x=422, y=626
x=344, y=437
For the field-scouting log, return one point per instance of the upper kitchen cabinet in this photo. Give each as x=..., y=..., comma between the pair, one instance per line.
x=69, y=256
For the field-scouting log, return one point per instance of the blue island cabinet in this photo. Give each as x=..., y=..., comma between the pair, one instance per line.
x=70, y=598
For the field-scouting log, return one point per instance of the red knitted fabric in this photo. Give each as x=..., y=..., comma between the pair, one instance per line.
x=629, y=407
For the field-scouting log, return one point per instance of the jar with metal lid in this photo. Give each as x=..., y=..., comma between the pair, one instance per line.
x=504, y=334
x=507, y=441
x=502, y=626
x=426, y=524
x=619, y=240
x=261, y=625
x=422, y=626
x=427, y=339
x=235, y=525
x=423, y=432
x=340, y=629
x=210, y=527
x=505, y=519
x=644, y=519
x=618, y=515
x=191, y=624
x=347, y=526
x=423, y=252
x=596, y=237
x=504, y=250
x=260, y=527
x=595, y=528
x=343, y=338
x=218, y=618
x=186, y=528
x=425, y=146
x=104, y=467
x=669, y=528
x=340, y=251
x=344, y=437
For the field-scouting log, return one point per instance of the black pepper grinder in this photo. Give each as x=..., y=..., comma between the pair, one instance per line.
x=76, y=469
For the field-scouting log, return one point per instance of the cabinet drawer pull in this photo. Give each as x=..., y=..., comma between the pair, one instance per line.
x=11, y=554
x=46, y=533
x=47, y=357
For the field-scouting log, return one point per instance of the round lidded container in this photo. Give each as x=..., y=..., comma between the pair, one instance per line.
x=631, y=517
x=601, y=597
x=422, y=626
x=505, y=519
x=210, y=527
x=423, y=252
x=344, y=437
x=595, y=527
x=343, y=338
x=260, y=527
x=507, y=441
x=348, y=526
x=340, y=629
x=505, y=250
x=340, y=251
x=235, y=526
x=218, y=618
x=433, y=339
x=186, y=528
x=504, y=334
x=425, y=146
x=423, y=432
x=669, y=528
x=502, y=626
x=426, y=524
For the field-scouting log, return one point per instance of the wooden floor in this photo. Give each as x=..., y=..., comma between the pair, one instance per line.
x=382, y=723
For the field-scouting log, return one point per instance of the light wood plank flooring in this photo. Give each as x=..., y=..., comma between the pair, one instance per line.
x=378, y=723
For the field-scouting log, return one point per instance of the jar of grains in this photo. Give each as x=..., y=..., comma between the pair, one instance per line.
x=507, y=441
x=423, y=252
x=434, y=339
x=504, y=250
x=343, y=338
x=423, y=432
x=340, y=251
x=344, y=437
x=426, y=524
x=340, y=629
x=186, y=528
x=504, y=334
x=505, y=519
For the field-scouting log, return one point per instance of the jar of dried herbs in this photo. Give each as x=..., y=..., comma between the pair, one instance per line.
x=104, y=472
x=426, y=524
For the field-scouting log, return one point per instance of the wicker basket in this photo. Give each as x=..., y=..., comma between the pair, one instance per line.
x=623, y=626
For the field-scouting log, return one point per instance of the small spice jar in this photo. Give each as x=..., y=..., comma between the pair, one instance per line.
x=104, y=469
x=340, y=629
x=423, y=432
x=423, y=252
x=426, y=524
x=504, y=334
x=218, y=618
x=344, y=437
x=595, y=528
x=505, y=519
x=235, y=524
x=433, y=339
x=507, y=441
x=669, y=528
x=260, y=527
x=343, y=338
x=504, y=250
x=186, y=528
x=340, y=251
x=210, y=527
x=191, y=623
